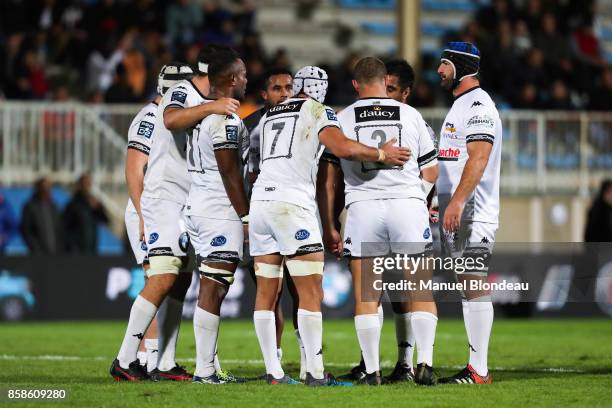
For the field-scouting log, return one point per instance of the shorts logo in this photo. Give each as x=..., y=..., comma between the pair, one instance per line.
x=427, y=233
x=145, y=129
x=153, y=237
x=178, y=96
x=231, y=132
x=143, y=245
x=302, y=235
x=183, y=241
x=218, y=241
x=348, y=241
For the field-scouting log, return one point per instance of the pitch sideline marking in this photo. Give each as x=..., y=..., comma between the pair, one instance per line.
x=383, y=364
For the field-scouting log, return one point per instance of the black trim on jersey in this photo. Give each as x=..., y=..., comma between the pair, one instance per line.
x=372, y=97
x=467, y=91
x=309, y=249
x=371, y=113
x=326, y=126
x=197, y=90
x=286, y=107
x=225, y=145
x=139, y=146
x=251, y=121
x=155, y=103
x=173, y=105
x=427, y=158
x=330, y=158
x=480, y=137
x=448, y=158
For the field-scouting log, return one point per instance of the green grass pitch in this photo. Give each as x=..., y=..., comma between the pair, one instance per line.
x=534, y=363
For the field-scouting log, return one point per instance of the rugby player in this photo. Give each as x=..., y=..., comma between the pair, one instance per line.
x=217, y=207
x=277, y=87
x=284, y=224
x=386, y=206
x=468, y=193
x=166, y=185
x=140, y=136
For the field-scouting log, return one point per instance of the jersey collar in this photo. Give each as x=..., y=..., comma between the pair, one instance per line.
x=373, y=97
x=198, y=91
x=467, y=91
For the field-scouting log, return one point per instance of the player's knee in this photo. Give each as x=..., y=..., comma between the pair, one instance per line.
x=304, y=268
x=164, y=264
x=268, y=270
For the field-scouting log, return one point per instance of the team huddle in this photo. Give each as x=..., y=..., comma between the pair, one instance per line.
x=210, y=191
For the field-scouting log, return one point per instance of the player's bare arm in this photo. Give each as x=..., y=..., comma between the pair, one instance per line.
x=183, y=118
x=344, y=148
x=328, y=183
x=229, y=168
x=472, y=173
x=134, y=177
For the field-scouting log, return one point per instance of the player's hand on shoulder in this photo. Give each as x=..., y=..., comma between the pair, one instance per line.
x=395, y=155
x=225, y=106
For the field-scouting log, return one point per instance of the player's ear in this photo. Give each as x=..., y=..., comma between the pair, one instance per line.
x=355, y=85
x=264, y=95
x=406, y=93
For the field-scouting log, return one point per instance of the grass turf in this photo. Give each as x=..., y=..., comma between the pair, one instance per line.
x=534, y=362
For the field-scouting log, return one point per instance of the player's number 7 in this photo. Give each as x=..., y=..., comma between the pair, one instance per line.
x=278, y=126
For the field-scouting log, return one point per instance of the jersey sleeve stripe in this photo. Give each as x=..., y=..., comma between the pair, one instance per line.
x=426, y=158
x=139, y=146
x=225, y=145
x=480, y=137
x=173, y=105
x=326, y=126
x=330, y=158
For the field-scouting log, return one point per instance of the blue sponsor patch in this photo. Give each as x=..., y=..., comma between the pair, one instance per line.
x=331, y=115
x=302, y=235
x=218, y=241
x=427, y=233
x=143, y=245
x=231, y=132
x=178, y=96
x=153, y=237
x=145, y=129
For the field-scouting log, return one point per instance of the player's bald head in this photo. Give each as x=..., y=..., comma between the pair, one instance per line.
x=369, y=70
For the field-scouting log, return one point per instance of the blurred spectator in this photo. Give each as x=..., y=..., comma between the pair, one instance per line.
x=101, y=65
x=555, y=47
x=120, y=91
x=40, y=221
x=559, y=97
x=599, y=218
x=183, y=19
x=422, y=95
x=8, y=223
x=81, y=217
x=489, y=17
x=528, y=97
x=587, y=46
x=601, y=97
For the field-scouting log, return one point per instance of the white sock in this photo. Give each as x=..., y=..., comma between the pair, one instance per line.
x=381, y=315
x=217, y=361
x=168, y=325
x=368, y=334
x=142, y=358
x=206, y=329
x=424, y=327
x=479, y=322
x=141, y=315
x=302, y=355
x=265, y=328
x=152, y=353
x=466, y=311
x=310, y=325
x=279, y=354
x=405, y=338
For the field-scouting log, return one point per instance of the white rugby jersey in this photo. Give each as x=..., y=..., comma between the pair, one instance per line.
x=473, y=117
x=207, y=195
x=290, y=150
x=167, y=176
x=140, y=135
x=374, y=121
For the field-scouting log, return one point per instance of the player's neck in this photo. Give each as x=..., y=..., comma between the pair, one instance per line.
x=201, y=82
x=157, y=99
x=216, y=93
x=465, y=85
x=372, y=91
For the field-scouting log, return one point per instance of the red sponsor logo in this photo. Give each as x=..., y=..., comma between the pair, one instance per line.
x=449, y=153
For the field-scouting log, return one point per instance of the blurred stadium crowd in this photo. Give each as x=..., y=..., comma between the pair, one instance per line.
x=537, y=54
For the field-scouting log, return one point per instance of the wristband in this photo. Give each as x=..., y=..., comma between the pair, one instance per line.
x=245, y=219
x=381, y=155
